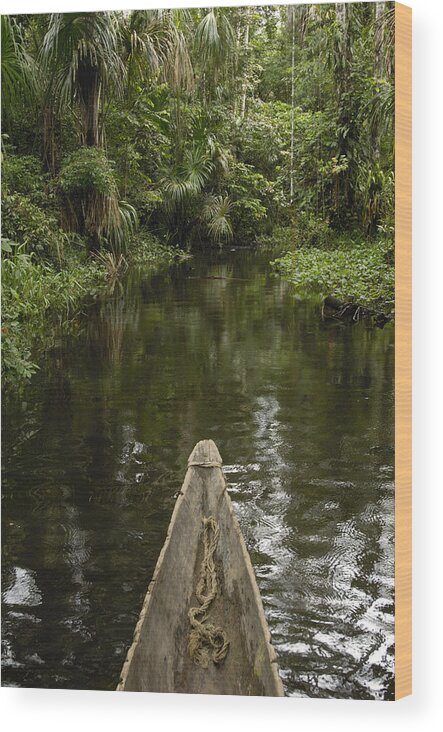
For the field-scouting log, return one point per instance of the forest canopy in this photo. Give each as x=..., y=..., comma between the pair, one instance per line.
x=190, y=127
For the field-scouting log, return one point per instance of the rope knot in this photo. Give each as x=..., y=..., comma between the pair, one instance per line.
x=207, y=641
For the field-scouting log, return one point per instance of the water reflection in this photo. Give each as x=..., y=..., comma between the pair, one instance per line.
x=23, y=589
x=95, y=452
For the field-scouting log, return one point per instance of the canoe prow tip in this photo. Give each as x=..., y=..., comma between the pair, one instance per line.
x=205, y=454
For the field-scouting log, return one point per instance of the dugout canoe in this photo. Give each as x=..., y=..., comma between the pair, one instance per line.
x=159, y=658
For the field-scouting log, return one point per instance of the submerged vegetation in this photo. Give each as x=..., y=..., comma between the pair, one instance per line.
x=127, y=136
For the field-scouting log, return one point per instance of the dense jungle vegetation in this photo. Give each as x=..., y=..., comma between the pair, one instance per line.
x=131, y=137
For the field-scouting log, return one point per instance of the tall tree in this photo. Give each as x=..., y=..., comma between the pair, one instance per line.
x=152, y=45
x=214, y=42
x=347, y=102
x=379, y=35
x=18, y=72
x=246, y=65
x=80, y=51
x=291, y=19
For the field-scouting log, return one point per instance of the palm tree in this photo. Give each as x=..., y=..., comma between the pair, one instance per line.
x=151, y=44
x=297, y=20
x=216, y=214
x=214, y=42
x=17, y=67
x=80, y=53
x=189, y=178
x=88, y=188
x=382, y=108
x=185, y=185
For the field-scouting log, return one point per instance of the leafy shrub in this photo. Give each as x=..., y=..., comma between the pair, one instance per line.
x=248, y=219
x=264, y=139
x=146, y=249
x=35, y=296
x=217, y=215
x=252, y=196
x=89, y=191
x=147, y=202
x=280, y=240
x=356, y=272
x=30, y=226
x=87, y=170
x=24, y=174
x=312, y=231
x=375, y=195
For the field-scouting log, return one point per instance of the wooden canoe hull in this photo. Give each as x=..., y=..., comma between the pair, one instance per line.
x=158, y=659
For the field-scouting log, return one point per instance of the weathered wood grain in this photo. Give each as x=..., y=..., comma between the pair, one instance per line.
x=158, y=659
x=403, y=351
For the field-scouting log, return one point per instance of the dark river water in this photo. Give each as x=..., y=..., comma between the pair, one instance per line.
x=95, y=450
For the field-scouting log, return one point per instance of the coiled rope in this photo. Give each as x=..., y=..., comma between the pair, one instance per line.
x=207, y=641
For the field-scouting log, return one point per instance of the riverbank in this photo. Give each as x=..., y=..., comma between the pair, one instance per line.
x=43, y=300
x=95, y=449
x=361, y=274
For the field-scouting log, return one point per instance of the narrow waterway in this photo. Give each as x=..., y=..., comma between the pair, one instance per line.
x=95, y=450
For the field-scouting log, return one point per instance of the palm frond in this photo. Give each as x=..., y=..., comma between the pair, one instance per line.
x=189, y=178
x=380, y=109
x=18, y=68
x=152, y=44
x=216, y=213
x=78, y=44
x=197, y=167
x=214, y=38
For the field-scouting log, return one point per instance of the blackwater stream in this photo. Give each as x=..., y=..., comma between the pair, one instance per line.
x=95, y=451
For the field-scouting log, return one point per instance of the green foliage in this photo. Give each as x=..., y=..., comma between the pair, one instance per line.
x=81, y=60
x=87, y=171
x=147, y=250
x=189, y=178
x=263, y=138
x=33, y=228
x=214, y=40
x=270, y=123
x=17, y=66
x=375, y=192
x=24, y=174
x=361, y=273
x=114, y=264
x=312, y=232
x=216, y=213
x=39, y=301
x=188, y=98
x=8, y=246
x=149, y=40
x=249, y=219
x=90, y=195
x=253, y=198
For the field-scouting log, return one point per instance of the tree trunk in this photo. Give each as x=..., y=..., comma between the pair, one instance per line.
x=343, y=81
x=89, y=93
x=291, y=195
x=340, y=14
x=379, y=39
x=246, y=66
x=379, y=66
x=49, y=138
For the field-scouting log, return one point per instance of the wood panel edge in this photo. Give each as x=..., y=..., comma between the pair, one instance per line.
x=403, y=350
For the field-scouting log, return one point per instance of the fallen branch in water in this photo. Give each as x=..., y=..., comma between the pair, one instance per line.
x=237, y=279
x=353, y=312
